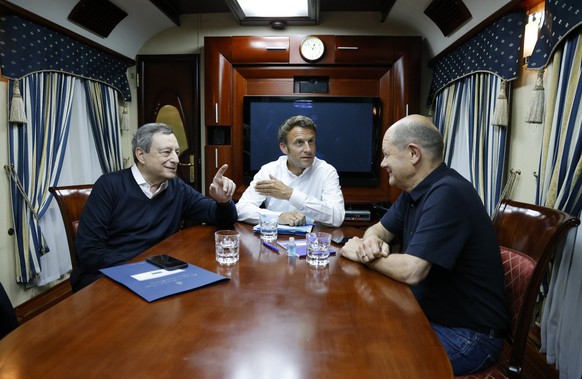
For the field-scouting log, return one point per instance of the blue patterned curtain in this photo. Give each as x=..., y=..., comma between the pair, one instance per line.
x=463, y=113
x=28, y=48
x=447, y=117
x=495, y=50
x=36, y=151
x=103, y=110
x=468, y=85
x=561, y=17
x=560, y=187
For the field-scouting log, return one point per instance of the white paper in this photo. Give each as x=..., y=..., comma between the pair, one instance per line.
x=155, y=274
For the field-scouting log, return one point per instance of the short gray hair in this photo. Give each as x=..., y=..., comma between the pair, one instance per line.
x=421, y=131
x=144, y=136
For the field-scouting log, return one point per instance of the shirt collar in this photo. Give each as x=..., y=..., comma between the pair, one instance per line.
x=420, y=190
x=304, y=172
x=145, y=187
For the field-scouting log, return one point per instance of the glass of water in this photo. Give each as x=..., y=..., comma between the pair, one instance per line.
x=318, y=248
x=269, y=223
x=227, y=246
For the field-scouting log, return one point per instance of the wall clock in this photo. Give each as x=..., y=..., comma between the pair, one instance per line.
x=311, y=48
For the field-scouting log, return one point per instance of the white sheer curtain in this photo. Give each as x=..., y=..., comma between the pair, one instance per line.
x=81, y=166
x=452, y=117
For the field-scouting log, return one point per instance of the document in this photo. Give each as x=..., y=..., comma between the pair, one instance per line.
x=153, y=283
x=292, y=230
x=286, y=229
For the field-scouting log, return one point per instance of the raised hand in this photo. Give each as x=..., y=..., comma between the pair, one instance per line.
x=222, y=188
x=274, y=188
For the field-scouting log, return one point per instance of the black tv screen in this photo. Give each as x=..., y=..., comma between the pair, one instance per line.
x=348, y=133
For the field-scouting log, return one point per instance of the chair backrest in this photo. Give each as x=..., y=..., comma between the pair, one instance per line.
x=529, y=236
x=71, y=201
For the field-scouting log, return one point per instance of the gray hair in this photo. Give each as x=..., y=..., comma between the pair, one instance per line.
x=144, y=136
x=421, y=131
x=290, y=123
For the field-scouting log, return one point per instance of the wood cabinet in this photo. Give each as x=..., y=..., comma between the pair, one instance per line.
x=262, y=50
x=217, y=81
x=387, y=67
x=215, y=157
x=360, y=50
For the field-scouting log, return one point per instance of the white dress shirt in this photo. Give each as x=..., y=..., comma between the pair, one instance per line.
x=145, y=186
x=316, y=193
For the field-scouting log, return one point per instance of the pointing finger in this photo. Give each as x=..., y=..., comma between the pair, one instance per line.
x=221, y=171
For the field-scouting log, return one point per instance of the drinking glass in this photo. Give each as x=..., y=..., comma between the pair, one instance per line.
x=227, y=246
x=268, y=226
x=318, y=248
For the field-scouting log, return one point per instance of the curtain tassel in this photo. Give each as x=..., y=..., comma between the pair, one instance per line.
x=535, y=110
x=17, y=114
x=501, y=113
x=124, y=118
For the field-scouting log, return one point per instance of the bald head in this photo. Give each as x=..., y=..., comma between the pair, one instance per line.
x=419, y=130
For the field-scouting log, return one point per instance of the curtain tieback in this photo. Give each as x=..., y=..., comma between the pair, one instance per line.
x=12, y=174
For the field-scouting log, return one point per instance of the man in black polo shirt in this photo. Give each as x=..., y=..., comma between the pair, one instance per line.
x=450, y=255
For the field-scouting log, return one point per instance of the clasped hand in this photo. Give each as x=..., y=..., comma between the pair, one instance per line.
x=293, y=218
x=222, y=188
x=365, y=250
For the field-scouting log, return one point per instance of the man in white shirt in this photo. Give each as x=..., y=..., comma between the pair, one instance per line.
x=296, y=186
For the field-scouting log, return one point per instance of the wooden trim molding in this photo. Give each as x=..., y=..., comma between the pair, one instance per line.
x=42, y=302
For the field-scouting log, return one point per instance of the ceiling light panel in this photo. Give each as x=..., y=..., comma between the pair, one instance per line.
x=271, y=8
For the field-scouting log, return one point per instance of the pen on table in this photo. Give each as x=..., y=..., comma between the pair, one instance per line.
x=272, y=247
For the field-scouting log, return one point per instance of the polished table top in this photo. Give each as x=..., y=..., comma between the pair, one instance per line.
x=275, y=318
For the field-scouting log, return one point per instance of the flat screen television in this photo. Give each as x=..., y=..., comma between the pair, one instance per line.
x=348, y=133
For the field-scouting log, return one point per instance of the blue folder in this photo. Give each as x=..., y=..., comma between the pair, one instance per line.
x=153, y=283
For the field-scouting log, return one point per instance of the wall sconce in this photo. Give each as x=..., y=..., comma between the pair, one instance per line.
x=278, y=14
x=532, y=28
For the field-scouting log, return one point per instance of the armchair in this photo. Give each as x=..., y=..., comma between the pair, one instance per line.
x=71, y=201
x=529, y=236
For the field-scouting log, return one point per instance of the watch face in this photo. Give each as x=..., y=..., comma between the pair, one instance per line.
x=312, y=49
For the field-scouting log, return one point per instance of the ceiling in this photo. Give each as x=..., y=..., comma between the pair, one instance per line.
x=146, y=19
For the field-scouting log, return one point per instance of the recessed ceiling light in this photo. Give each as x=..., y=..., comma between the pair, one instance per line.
x=274, y=8
x=265, y=12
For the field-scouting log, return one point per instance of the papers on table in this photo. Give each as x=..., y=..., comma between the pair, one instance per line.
x=153, y=283
x=286, y=229
x=292, y=230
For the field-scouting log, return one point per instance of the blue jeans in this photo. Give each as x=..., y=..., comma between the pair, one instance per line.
x=469, y=351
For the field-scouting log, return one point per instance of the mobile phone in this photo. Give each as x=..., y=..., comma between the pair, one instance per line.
x=166, y=262
x=340, y=240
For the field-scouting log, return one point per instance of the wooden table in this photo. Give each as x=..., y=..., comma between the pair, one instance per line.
x=275, y=318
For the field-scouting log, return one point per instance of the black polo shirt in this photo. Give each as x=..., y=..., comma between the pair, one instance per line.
x=444, y=222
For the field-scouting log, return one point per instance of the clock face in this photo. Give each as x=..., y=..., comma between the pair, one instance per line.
x=311, y=49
